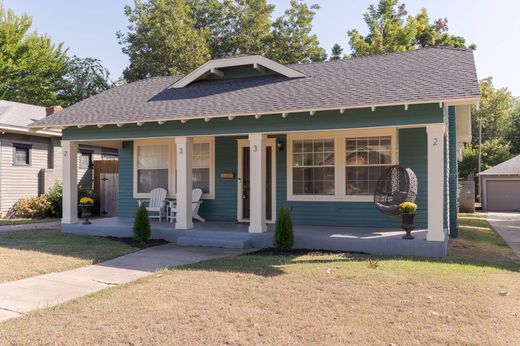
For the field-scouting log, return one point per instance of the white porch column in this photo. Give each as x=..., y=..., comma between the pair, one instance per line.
x=70, y=182
x=184, y=147
x=436, y=177
x=257, y=154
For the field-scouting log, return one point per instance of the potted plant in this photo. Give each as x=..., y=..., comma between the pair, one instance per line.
x=86, y=204
x=408, y=211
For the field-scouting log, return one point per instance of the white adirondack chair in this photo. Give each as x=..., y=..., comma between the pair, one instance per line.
x=196, y=194
x=156, y=203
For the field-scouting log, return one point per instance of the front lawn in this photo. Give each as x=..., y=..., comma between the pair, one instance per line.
x=29, y=253
x=470, y=298
x=9, y=222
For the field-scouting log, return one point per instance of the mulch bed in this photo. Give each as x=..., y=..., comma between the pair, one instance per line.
x=296, y=252
x=139, y=244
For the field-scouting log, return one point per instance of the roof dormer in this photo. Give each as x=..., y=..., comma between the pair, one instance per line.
x=236, y=67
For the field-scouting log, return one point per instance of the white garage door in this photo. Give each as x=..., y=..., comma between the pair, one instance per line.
x=503, y=195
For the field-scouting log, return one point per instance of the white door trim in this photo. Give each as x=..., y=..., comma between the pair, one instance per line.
x=271, y=142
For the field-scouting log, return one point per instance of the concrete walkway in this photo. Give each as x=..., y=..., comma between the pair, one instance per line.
x=31, y=226
x=22, y=296
x=508, y=226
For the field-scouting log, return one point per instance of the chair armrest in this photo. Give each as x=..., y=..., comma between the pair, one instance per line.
x=141, y=201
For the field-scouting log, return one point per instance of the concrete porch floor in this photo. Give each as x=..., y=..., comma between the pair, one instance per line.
x=236, y=235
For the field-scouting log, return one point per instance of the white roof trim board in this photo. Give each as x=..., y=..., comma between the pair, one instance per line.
x=213, y=66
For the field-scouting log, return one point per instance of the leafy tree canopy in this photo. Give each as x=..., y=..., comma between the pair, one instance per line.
x=84, y=78
x=168, y=37
x=391, y=29
x=31, y=67
x=336, y=52
x=162, y=39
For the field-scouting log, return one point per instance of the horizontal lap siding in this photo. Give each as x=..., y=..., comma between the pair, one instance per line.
x=413, y=153
x=322, y=120
x=21, y=181
x=224, y=206
x=412, y=144
x=126, y=204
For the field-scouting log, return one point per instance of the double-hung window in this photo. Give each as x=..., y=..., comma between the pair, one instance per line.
x=21, y=154
x=338, y=165
x=365, y=160
x=313, y=167
x=201, y=167
x=153, y=162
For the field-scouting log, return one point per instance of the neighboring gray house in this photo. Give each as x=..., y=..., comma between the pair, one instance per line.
x=500, y=186
x=30, y=161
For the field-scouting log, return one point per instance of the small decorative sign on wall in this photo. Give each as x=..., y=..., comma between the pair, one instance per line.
x=227, y=175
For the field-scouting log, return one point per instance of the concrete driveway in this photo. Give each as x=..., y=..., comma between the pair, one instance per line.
x=508, y=226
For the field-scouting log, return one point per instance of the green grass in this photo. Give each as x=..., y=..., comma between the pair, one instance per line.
x=479, y=242
x=34, y=252
x=6, y=222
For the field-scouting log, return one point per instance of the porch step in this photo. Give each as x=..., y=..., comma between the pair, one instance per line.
x=214, y=241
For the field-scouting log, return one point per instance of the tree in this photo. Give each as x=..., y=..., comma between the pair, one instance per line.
x=495, y=111
x=162, y=39
x=336, y=52
x=514, y=132
x=85, y=78
x=291, y=40
x=31, y=66
x=235, y=26
x=391, y=29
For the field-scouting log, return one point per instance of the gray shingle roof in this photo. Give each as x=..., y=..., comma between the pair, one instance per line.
x=20, y=114
x=429, y=74
x=509, y=167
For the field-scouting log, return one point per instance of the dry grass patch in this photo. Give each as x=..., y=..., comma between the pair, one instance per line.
x=29, y=253
x=307, y=299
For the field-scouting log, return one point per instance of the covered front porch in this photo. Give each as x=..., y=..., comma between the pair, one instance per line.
x=321, y=165
x=237, y=235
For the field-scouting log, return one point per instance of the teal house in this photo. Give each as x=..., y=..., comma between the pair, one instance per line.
x=255, y=135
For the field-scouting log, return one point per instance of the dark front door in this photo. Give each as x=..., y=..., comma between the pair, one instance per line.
x=246, y=188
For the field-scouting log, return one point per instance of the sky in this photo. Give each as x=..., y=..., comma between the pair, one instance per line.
x=88, y=28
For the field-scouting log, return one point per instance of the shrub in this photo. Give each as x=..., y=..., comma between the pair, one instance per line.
x=284, y=235
x=55, y=198
x=30, y=207
x=142, y=230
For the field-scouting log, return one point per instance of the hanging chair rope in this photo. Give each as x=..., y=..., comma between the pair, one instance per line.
x=395, y=186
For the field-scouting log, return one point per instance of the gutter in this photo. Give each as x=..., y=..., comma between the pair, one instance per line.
x=27, y=130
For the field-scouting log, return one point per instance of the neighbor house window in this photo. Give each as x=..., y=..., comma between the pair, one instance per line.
x=201, y=166
x=85, y=160
x=313, y=167
x=152, y=167
x=365, y=160
x=22, y=154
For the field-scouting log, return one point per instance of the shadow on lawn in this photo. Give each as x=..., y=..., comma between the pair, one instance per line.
x=266, y=263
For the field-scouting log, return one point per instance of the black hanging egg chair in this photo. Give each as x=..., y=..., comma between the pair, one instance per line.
x=395, y=186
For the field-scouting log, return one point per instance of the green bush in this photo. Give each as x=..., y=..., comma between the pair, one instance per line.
x=142, y=230
x=30, y=207
x=284, y=235
x=55, y=198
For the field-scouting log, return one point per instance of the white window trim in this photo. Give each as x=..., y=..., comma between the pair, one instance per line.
x=339, y=162
x=172, y=193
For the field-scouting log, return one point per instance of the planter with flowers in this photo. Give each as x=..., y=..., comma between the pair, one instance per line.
x=86, y=204
x=408, y=212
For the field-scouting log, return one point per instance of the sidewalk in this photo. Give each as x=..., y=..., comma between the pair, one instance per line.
x=22, y=296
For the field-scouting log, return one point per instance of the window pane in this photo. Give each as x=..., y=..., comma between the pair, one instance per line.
x=313, y=172
x=201, y=155
x=366, y=158
x=153, y=156
x=149, y=179
x=201, y=179
x=21, y=156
